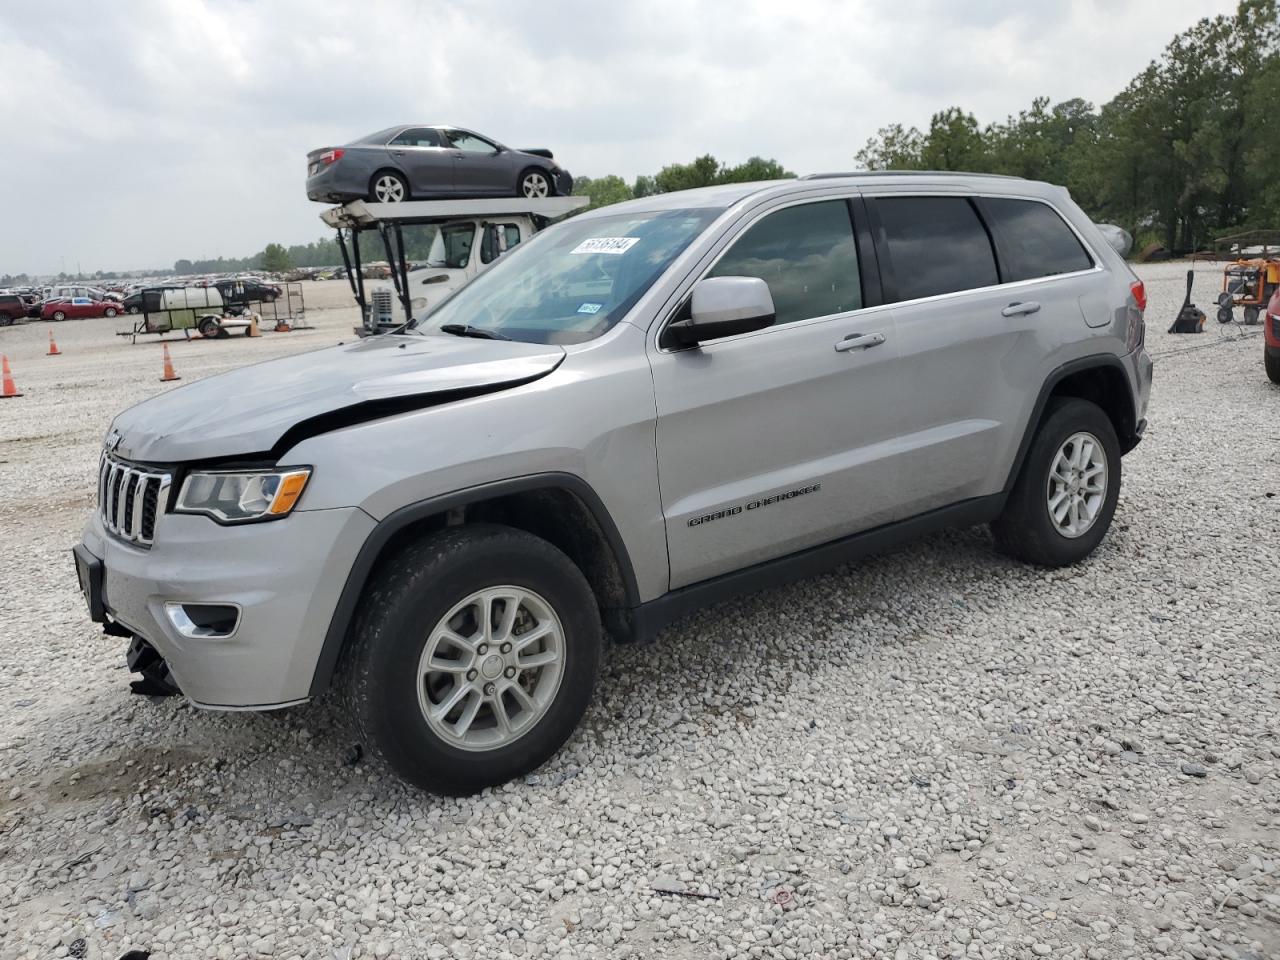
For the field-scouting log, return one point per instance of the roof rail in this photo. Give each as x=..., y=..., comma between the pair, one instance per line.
x=907, y=173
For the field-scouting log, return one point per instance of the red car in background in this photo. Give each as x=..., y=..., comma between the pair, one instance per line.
x=73, y=308
x=1271, y=334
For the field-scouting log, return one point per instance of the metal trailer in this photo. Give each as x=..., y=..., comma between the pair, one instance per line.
x=169, y=309
x=389, y=220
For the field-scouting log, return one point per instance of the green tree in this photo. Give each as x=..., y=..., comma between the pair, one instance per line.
x=275, y=258
x=892, y=148
x=954, y=142
x=602, y=190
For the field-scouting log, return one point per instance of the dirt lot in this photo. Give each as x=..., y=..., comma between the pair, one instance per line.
x=936, y=753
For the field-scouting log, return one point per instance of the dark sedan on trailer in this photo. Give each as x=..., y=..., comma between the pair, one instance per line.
x=431, y=163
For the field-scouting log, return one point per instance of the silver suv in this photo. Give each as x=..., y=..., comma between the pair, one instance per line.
x=639, y=411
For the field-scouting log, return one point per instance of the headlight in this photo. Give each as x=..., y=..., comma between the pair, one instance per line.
x=241, y=496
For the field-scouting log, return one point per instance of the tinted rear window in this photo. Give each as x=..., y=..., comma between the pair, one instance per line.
x=937, y=245
x=1034, y=240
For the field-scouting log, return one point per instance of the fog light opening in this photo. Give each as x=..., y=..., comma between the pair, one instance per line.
x=204, y=621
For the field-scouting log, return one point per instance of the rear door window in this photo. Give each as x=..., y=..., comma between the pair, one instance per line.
x=1034, y=240
x=417, y=137
x=936, y=245
x=806, y=255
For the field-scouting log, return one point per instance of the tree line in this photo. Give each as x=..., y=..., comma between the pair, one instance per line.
x=1188, y=151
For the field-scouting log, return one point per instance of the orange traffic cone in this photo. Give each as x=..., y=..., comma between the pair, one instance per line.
x=253, y=326
x=7, y=387
x=168, y=367
x=53, y=346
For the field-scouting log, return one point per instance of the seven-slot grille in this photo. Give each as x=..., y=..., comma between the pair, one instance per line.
x=129, y=498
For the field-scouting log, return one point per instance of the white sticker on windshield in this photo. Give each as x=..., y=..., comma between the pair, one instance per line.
x=590, y=308
x=611, y=245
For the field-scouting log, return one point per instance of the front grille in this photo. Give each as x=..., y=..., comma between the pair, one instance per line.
x=129, y=498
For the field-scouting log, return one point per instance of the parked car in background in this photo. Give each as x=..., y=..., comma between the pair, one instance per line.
x=430, y=162
x=65, y=290
x=75, y=308
x=242, y=291
x=13, y=307
x=1271, y=338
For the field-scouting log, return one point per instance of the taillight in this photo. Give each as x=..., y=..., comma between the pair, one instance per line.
x=331, y=156
x=1139, y=291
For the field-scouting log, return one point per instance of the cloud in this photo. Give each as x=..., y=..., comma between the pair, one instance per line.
x=158, y=129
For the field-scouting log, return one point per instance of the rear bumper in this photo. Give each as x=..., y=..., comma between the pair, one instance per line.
x=331, y=186
x=284, y=577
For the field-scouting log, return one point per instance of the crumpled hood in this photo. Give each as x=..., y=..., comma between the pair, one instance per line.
x=249, y=410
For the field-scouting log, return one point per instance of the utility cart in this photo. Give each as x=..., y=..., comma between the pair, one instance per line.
x=432, y=247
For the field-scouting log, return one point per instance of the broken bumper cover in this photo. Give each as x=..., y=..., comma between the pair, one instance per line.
x=284, y=576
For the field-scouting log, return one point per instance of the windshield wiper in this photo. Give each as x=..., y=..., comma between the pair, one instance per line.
x=466, y=330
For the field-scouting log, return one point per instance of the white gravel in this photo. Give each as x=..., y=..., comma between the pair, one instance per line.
x=937, y=753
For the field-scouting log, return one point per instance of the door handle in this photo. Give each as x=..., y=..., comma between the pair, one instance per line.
x=1020, y=309
x=860, y=341
x=397, y=153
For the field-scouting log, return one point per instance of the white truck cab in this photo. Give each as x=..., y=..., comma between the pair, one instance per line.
x=463, y=237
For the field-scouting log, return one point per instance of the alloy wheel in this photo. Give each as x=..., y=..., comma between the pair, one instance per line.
x=534, y=186
x=491, y=668
x=1077, y=486
x=388, y=189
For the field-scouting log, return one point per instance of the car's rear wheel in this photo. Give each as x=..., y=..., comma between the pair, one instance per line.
x=388, y=186
x=1271, y=360
x=475, y=654
x=1065, y=496
x=209, y=327
x=59, y=315
x=535, y=185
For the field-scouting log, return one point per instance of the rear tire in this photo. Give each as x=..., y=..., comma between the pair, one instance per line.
x=387, y=186
x=209, y=327
x=1271, y=360
x=403, y=667
x=1074, y=446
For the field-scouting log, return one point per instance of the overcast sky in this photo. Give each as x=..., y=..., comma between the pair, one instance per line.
x=139, y=131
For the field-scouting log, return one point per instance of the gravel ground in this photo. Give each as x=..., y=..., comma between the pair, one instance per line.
x=937, y=753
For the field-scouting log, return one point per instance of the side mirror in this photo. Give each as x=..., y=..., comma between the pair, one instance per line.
x=722, y=307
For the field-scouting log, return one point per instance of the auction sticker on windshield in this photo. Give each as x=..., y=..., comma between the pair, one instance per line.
x=612, y=245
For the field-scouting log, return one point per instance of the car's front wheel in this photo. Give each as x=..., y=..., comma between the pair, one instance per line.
x=135, y=309
x=535, y=184
x=474, y=656
x=1065, y=496
x=59, y=315
x=109, y=312
x=388, y=187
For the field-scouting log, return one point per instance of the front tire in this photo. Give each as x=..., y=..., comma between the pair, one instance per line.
x=474, y=656
x=59, y=315
x=109, y=312
x=534, y=185
x=1065, y=496
x=209, y=327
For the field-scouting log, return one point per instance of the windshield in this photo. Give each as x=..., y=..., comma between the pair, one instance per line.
x=573, y=282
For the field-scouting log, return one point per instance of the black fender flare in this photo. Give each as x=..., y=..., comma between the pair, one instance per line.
x=335, y=637
x=1093, y=362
